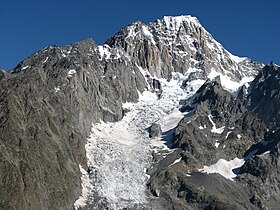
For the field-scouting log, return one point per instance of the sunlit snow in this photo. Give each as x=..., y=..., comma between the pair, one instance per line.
x=104, y=52
x=217, y=144
x=25, y=67
x=57, y=89
x=237, y=59
x=176, y=161
x=71, y=72
x=174, y=23
x=224, y=167
x=214, y=128
x=46, y=60
x=227, y=83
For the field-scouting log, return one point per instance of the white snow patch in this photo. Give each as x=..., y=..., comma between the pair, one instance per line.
x=25, y=67
x=174, y=23
x=217, y=144
x=71, y=72
x=227, y=83
x=104, y=51
x=235, y=58
x=57, y=89
x=229, y=132
x=224, y=168
x=148, y=34
x=176, y=161
x=265, y=153
x=204, y=126
x=46, y=60
x=214, y=128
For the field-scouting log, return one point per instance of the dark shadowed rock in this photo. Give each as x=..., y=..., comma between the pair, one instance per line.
x=155, y=130
x=264, y=95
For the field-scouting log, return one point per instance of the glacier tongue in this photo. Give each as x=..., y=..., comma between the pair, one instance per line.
x=119, y=153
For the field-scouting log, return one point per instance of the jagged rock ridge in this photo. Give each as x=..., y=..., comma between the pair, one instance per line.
x=179, y=44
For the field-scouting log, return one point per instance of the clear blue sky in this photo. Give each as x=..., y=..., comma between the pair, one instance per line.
x=245, y=27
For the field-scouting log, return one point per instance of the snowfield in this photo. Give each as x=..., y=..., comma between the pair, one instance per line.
x=224, y=168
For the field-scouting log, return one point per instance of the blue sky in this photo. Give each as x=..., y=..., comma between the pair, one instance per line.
x=245, y=27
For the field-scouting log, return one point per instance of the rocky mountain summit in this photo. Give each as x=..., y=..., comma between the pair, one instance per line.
x=159, y=117
x=179, y=44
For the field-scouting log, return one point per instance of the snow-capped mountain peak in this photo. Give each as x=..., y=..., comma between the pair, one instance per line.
x=175, y=22
x=178, y=44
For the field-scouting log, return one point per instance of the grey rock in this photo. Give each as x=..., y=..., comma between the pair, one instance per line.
x=155, y=130
x=198, y=191
x=264, y=95
x=155, y=86
x=261, y=171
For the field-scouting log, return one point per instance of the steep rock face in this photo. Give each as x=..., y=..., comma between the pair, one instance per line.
x=265, y=94
x=179, y=44
x=47, y=106
x=40, y=149
x=261, y=171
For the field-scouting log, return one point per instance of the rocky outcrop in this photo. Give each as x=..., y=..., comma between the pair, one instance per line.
x=265, y=94
x=261, y=172
x=155, y=130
